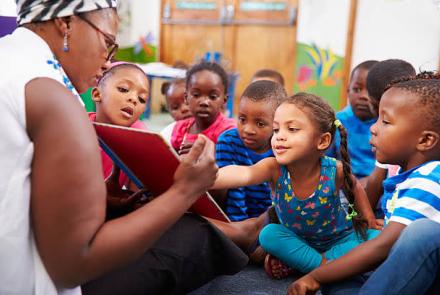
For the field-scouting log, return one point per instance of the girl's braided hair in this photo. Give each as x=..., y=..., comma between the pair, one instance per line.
x=322, y=114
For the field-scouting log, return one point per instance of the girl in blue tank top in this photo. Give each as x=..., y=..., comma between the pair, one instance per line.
x=314, y=227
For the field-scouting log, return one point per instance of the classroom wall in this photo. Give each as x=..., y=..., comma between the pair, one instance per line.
x=405, y=29
x=145, y=18
x=7, y=8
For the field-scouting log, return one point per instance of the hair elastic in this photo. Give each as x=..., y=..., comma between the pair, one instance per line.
x=353, y=213
x=337, y=123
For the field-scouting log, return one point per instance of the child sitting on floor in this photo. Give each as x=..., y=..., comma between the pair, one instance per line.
x=357, y=118
x=174, y=93
x=178, y=108
x=314, y=227
x=206, y=93
x=407, y=134
x=379, y=77
x=268, y=74
x=248, y=144
x=120, y=98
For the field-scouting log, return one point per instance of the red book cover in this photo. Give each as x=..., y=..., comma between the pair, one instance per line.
x=150, y=162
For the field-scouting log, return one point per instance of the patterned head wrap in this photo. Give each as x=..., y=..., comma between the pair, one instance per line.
x=29, y=11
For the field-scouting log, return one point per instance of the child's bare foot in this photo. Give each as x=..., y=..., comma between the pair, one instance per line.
x=258, y=256
x=276, y=269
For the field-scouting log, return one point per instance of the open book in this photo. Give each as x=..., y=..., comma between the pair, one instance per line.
x=149, y=162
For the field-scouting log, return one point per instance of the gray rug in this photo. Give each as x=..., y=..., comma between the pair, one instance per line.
x=251, y=280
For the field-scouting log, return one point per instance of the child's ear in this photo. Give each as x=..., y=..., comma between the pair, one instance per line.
x=324, y=141
x=226, y=98
x=428, y=140
x=96, y=95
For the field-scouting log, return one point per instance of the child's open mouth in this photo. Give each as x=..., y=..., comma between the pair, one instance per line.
x=127, y=112
x=280, y=149
x=203, y=114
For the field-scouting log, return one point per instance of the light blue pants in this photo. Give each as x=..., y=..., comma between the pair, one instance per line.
x=278, y=240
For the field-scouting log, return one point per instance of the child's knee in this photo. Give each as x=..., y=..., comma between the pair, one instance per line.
x=268, y=237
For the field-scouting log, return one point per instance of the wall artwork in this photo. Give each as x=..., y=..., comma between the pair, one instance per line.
x=320, y=51
x=319, y=71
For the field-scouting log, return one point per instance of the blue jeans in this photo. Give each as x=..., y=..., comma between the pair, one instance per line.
x=411, y=267
x=293, y=250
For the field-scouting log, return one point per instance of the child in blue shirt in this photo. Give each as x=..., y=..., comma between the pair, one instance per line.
x=314, y=227
x=357, y=118
x=407, y=133
x=379, y=77
x=248, y=144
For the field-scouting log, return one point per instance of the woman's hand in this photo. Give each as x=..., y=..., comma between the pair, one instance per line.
x=305, y=285
x=197, y=170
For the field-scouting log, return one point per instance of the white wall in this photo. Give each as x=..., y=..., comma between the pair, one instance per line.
x=145, y=18
x=7, y=8
x=404, y=29
x=325, y=23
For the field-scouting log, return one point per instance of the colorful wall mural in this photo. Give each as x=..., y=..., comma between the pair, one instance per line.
x=143, y=51
x=320, y=51
x=319, y=71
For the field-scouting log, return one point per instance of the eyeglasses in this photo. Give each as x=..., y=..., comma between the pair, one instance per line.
x=112, y=46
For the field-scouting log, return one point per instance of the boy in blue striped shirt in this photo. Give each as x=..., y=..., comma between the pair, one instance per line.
x=248, y=144
x=407, y=133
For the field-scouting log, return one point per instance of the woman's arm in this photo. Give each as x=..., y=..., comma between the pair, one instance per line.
x=363, y=258
x=68, y=194
x=237, y=176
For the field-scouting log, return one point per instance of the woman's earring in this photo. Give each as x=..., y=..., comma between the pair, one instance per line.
x=65, y=43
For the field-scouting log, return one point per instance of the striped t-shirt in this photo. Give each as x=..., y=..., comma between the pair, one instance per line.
x=413, y=194
x=248, y=201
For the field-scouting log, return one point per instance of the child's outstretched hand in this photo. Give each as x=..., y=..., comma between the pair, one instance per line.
x=305, y=285
x=197, y=170
x=185, y=148
x=118, y=198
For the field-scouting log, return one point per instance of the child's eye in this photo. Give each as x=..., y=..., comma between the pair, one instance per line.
x=261, y=124
x=195, y=94
x=356, y=89
x=385, y=122
x=142, y=100
x=292, y=129
x=122, y=89
x=275, y=130
x=241, y=120
x=213, y=96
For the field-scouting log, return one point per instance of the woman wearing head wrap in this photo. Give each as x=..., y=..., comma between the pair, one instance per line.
x=53, y=235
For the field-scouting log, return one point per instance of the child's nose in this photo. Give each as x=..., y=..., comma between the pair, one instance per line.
x=279, y=136
x=184, y=108
x=248, y=129
x=373, y=129
x=204, y=101
x=132, y=100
